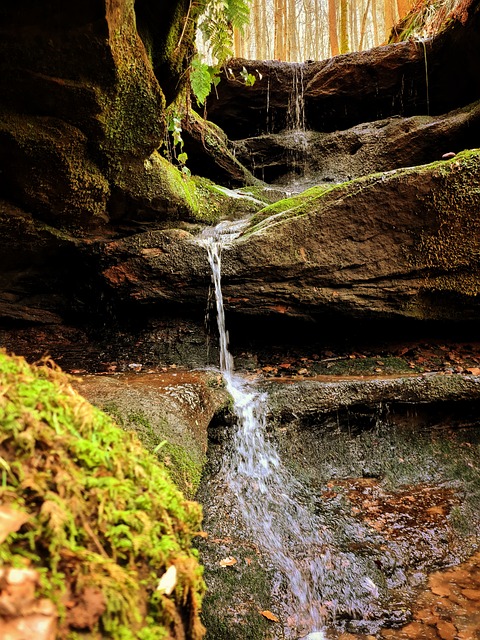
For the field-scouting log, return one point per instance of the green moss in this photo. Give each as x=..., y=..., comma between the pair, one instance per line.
x=246, y=582
x=450, y=248
x=52, y=172
x=303, y=203
x=132, y=116
x=102, y=512
x=183, y=462
x=370, y=366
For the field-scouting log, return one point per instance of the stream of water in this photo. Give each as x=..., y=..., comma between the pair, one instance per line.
x=323, y=582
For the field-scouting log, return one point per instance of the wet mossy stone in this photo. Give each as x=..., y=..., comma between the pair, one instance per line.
x=47, y=169
x=101, y=512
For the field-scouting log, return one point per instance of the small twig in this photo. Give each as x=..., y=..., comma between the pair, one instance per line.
x=94, y=538
x=184, y=27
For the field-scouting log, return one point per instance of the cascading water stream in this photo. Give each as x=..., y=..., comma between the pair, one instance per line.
x=321, y=581
x=296, y=100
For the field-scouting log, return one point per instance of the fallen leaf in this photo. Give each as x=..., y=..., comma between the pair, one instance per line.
x=471, y=594
x=248, y=561
x=269, y=615
x=228, y=562
x=446, y=630
x=475, y=371
x=442, y=590
x=10, y=521
x=168, y=581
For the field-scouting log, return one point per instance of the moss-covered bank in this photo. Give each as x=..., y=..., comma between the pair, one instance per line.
x=102, y=513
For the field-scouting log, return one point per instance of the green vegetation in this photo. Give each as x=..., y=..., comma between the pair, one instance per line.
x=248, y=582
x=216, y=24
x=452, y=250
x=101, y=511
x=183, y=463
x=428, y=18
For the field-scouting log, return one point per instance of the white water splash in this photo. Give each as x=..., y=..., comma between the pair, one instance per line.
x=298, y=543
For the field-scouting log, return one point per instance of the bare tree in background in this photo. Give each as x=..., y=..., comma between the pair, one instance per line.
x=299, y=30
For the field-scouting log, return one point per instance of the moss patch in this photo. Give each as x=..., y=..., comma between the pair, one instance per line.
x=47, y=165
x=451, y=251
x=464, y=164
x=102, y=512
x=182, y=462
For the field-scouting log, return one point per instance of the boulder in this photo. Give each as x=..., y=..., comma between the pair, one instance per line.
x=408, y=78
x=82, y=104
x=366, y=148
x=401, y=244
x=211, y=155
x=169, y=411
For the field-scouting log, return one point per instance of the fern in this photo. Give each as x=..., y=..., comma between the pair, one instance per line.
x=216, y=24
x=219, y=19
x=238, y=13
x=200, y=80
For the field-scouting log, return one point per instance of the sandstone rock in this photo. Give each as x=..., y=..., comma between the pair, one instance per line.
x=306, y=402
x=382, y=145
x=210, y=155
x=47, y=168
x=173, y=408
x=81, y=108
x=355, y=87
x=403, y=244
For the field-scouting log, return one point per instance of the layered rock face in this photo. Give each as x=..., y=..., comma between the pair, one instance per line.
x=83, y=90
x=394, y=106
x=89, y=207
x=405, y=79
x=403, y=244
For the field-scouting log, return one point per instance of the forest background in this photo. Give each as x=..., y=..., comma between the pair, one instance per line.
x=301, y=30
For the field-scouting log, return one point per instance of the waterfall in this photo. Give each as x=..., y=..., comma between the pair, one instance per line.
x=296, y=133
x=321, y=580
x=296, y=101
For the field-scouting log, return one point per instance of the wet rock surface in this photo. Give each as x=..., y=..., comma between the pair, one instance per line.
x=312, y=157
x=400, y=494
x=398, y=245
x=170, y=410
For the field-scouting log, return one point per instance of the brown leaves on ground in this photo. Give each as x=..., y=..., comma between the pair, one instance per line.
x=10, y=521
x=228, y=562
x=386, y=359
x=269, y=615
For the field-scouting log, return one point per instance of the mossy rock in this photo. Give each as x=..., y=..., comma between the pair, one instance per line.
x=102, y=513
x=47, y=165
x=170, y=415
x=157, y=190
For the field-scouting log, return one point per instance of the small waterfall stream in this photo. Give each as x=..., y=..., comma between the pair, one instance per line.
x=322, y=581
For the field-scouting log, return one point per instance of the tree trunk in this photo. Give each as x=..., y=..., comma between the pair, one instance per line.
x=260, y=52
x=344, y=26
x=332, y=27
x=403, y=7
x=364, y=25
x=376, y=39
x=389, y=12
x=280, y=26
